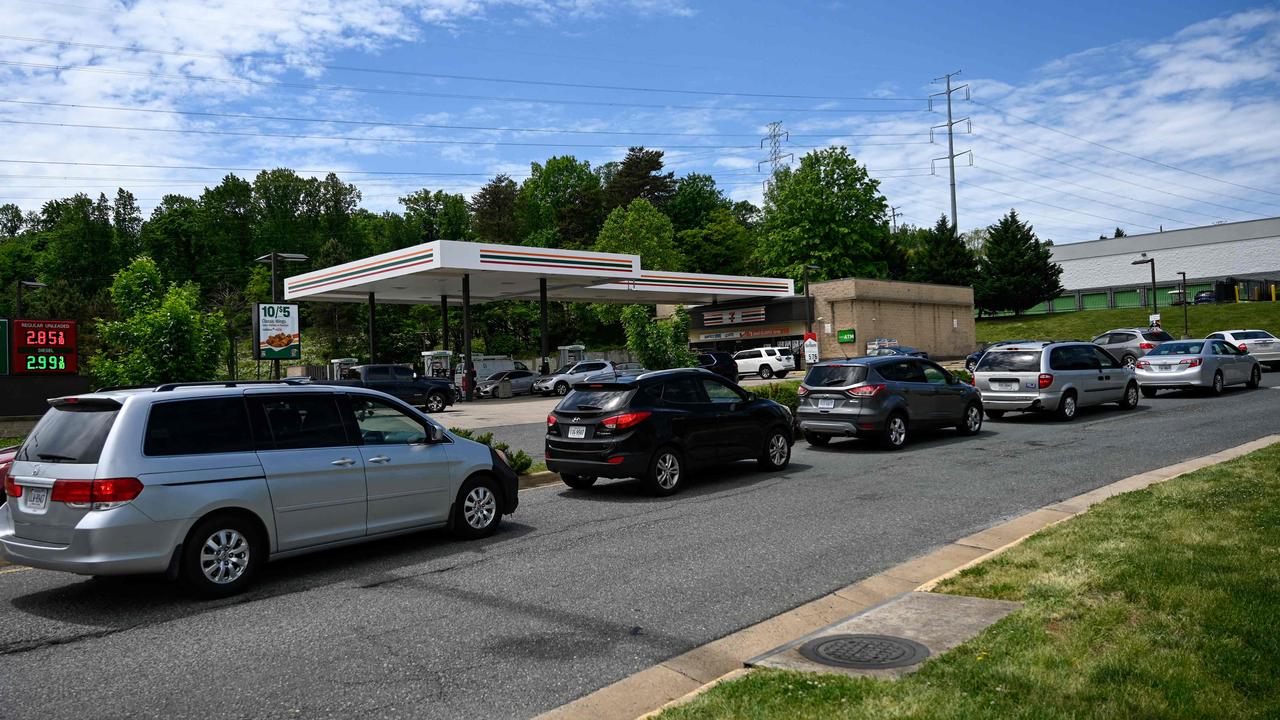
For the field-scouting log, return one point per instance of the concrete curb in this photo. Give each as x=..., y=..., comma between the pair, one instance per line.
x=685, y=676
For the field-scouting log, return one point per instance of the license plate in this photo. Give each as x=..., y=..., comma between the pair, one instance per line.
x=1004, y=386
x=826, y=403
x=35, y=499
x=577, y=431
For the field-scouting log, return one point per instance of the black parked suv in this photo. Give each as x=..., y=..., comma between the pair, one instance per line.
x=659, y=425
x=720, y=363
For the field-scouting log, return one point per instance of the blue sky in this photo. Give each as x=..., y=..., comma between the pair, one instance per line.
x=1057, y=89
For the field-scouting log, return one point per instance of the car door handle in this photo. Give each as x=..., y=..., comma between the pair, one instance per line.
x=343, y=462
x=379, y=459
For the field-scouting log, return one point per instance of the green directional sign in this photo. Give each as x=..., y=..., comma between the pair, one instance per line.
x=847, y=336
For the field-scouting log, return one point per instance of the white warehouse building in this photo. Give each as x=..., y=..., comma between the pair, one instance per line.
x=1100, y=273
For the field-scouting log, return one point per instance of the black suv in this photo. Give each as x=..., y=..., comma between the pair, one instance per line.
x=720, y=363
x=659, y=425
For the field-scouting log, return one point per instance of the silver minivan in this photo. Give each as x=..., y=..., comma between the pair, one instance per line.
x=207, y=482
x=1052, y=377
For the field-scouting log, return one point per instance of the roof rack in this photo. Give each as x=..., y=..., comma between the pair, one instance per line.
x=166, y=387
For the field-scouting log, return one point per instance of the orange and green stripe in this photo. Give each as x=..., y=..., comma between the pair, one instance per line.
x=705, y=283
x=363, y=270
x=529, y=258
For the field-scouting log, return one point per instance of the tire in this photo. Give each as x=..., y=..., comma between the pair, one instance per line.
x=995, y=414
x=578, y=482
x=776, y=454
x=562, y=389
x=666, y=472
x=476, y=511
x=1218, y=384
x=782, y=374
x=817, y=440
x=436, y=402
x=1067, y=408
x=766, y=372
x=970, y=365
x=221, y=556
x=1130, y=399
x=894, y=434
x=971, y=423
x=1149, y=392
x=1128, y=360
x=1255, y=378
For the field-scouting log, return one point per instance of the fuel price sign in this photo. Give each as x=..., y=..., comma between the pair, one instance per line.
x=43, y=347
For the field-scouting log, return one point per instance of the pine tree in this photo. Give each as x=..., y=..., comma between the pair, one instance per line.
x=944, y=258
x=1018, y=270
x=639, y=175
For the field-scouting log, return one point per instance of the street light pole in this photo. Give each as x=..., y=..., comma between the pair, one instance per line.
x=1144, y=260
x=34, y=285
x=271, y=259
x=808, y=299
x=1186, y=328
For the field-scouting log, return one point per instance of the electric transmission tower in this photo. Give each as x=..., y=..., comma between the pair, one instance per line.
x=950, y=125
x=894, y=215
x=775, y=139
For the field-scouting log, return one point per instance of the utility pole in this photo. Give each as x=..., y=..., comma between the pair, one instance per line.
x=894, y=215
x=775, y=138
x=951, y=144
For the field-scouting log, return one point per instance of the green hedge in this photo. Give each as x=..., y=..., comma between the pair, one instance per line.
x=783, y=393
x=519, y=460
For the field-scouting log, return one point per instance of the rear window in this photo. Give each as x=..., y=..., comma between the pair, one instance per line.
x=71, y=433
x=198, y=427
x=1252, y=335
x=1157, y=336
x=835, y=375
x=1178, y=348
x=784, y=352
x=595, y=400
x=1010, y=361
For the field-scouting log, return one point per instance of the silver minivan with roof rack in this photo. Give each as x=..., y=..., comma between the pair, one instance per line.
x=1056, y=377
x=207, y=481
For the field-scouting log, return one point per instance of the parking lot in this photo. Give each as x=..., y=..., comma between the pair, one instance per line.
x=577, y=589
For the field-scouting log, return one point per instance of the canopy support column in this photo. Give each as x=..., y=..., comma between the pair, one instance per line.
x=372, y=338
x=468, y=380
x=543, y=361
x=444, y=320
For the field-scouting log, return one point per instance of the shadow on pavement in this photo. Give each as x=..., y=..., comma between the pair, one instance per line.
x=703, y=483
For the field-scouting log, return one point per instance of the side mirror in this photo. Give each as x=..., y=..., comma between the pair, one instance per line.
x=752, y=396
x=436, y=433
x=952, y=379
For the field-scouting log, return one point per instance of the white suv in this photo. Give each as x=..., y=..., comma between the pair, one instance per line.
x=765, y=362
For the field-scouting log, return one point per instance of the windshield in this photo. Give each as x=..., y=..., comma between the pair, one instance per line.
x=1157, y=336
x=564, y=369
x=1179, y=348
x=1253, y=335
x=835, y=375
x=496, y=376
x=70, y=433
x=1010, y=361
x=594, y=400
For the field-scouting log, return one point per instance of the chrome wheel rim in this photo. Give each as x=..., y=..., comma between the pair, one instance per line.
x=562, y=389
x=973, y=419
x=897, y=430
x=668, y=471
x=778, y=450
x=1217, y=383
x=435, y=403
x=479, y=508
x=1256, y=376
x=1069, y=406
x=1130, y=362
x=224, y=557
x=1131, y=395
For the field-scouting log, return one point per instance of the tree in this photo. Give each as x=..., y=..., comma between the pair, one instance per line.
x=720, y=245
x=658, y=344
x=126, y=220
x=437, y=216
x=10, y=220
x=639, y=176
x=944, y=258
x=1018, y=270
x=696, y=197
x=493, y=210
x=560, y=204
x=829, y=212
x=640, y=229
x=162, y=336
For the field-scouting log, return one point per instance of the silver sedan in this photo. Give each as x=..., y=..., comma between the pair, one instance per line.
x=1209, y=364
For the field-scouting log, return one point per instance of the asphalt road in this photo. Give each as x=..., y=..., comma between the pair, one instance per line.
x=578, y=590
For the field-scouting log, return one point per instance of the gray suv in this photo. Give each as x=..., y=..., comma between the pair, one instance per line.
x=207, y=482
x=1129, y=344
x=1052, y=377
x=885, y=398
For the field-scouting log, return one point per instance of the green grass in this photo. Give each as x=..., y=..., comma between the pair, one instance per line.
x=1161, y=603
x=7, y=441
x=1084, y=325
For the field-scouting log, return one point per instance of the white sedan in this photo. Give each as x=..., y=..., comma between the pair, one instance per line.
x=1259, y=343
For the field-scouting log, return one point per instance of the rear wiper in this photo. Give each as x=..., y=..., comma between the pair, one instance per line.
x=588, y=407
x=54, y=457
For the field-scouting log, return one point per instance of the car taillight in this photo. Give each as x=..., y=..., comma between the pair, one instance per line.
x=1045, y=380
x=802, y=391
x=864, y=391
x=11, y=487
x=1243, y=348
x=551, y=420
x=1142, y=364
x=102, y=494
x=1191, y=362
x=624, y=421
x=1147, y=346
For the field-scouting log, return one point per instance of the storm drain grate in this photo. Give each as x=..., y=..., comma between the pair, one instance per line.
x=868, y=652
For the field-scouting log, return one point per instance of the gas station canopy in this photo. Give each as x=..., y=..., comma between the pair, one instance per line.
x=433, y=271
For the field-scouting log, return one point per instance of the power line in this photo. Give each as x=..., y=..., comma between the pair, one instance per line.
x=1059, y=207
x=1081, y=197
x=1124, y=152
x=423, y=93
x=426, y=126
x=446, y=76
x=238, y=169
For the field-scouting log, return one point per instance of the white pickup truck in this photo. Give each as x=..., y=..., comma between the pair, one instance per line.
x=765, y=362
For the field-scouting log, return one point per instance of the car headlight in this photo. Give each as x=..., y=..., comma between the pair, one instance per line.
x=502, y=455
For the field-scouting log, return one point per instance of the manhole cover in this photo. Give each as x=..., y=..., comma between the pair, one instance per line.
x=866, y=652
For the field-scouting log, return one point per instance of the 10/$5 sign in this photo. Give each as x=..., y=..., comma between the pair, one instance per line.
x=276, y=328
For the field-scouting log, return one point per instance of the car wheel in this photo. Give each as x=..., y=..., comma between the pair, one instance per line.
x=475, y=511
x=777, y=451
x=221, y=555
x=1130, y=399
x=816, y=440
x=995, y=414
x=435, y=402
x=1149, y=392
x=1128, y=361
x=766, y=372
x=782, y=374
x=894, y=435
x=1217, y=387
x=666, y=472
x=562, y=388
x=971, y=423
x=1066, y=407
x=970, y=365
x=1255, y=378
x=579, y=482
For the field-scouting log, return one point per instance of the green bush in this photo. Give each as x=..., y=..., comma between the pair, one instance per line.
x=965, y=376
x=519, y=460
x=783, y=393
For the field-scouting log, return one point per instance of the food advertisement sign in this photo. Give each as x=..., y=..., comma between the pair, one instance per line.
x=43, y=347
x=276, y=329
